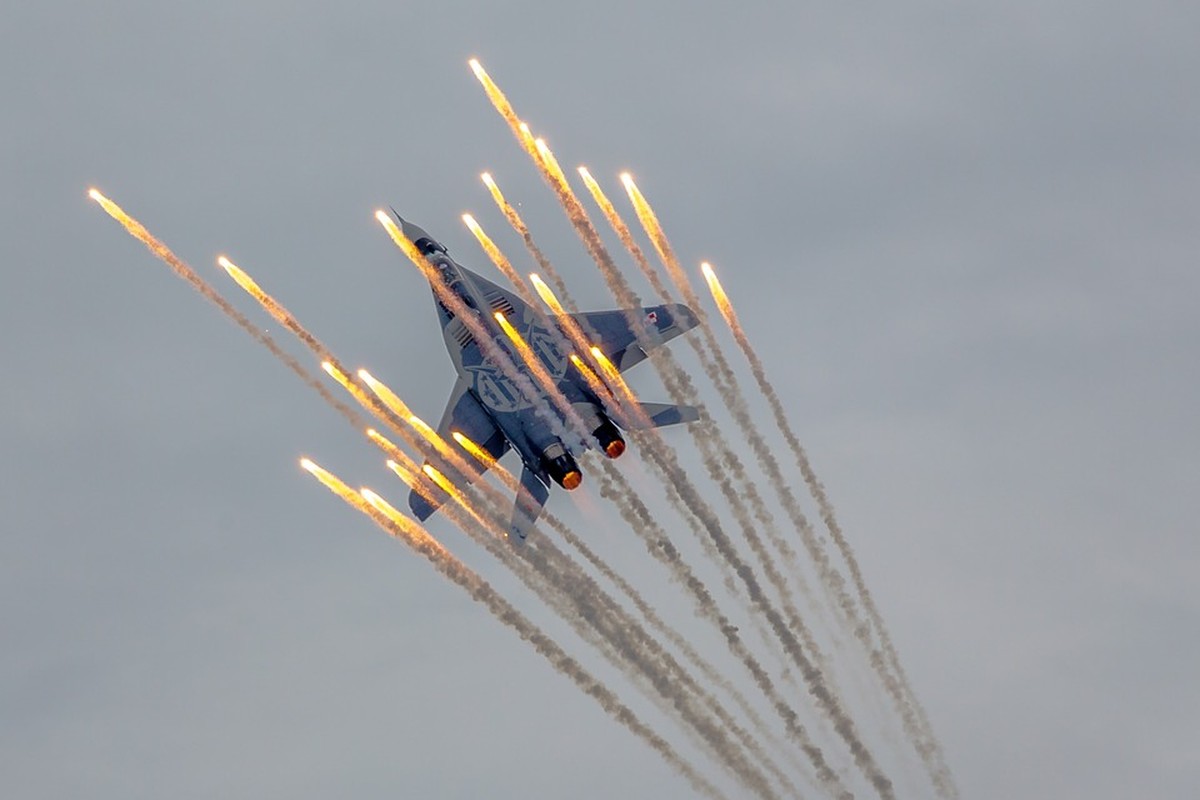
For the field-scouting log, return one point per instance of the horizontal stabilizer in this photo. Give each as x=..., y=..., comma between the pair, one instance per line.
x=661, y=414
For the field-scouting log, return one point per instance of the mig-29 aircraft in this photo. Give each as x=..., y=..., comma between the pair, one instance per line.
x=489, y=408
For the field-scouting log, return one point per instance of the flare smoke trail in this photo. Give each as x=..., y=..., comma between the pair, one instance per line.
x=710, y=673
x=181, y=268
x=277, y=311
x=402, y=411
x=662, y=246
x=551, y=389
x=818, y=686
x=896, y=682
x=329, y=362
x=456, y=495
x=598, y=619
x=676, y=380
x=724, y=382
x=380, y=412
x=551, y=172
x=822, y=689
x=525, y=139
x=547, y=164
x=659, y=545
x=518, y=225
x=658, y=445
x=674, y=684
x=717, y=368
x=559, y=588
x=403, y=529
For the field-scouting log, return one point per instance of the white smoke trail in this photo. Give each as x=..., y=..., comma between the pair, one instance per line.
x=481, y=591
x=886, y=664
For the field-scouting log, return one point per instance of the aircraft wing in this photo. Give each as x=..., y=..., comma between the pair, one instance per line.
x=464, y=415
x=611, y=332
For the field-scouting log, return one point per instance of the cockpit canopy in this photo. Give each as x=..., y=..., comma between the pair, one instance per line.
x=429, y=246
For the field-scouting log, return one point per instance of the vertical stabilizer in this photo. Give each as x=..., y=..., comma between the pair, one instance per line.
x=531, y=496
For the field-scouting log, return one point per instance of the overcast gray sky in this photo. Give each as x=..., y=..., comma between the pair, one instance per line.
x=964, y=238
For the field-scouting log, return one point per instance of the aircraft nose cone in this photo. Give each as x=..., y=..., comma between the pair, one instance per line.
x=413, y=232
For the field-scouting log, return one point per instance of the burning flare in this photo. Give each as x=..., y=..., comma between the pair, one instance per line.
x=505, y=109
x=611, y=373
x=370, y=503
x=385, y=395
x=246, y=282
x=483, y=456
x=498, y=258
x=547, y=296
x=722, y=299
x=486, y=460
x=447, y=486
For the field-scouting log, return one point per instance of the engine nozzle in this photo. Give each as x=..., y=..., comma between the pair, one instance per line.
x=562, y=467
x=609, y=439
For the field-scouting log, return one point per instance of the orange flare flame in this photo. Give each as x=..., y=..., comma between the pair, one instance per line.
x=385, y=395
x=486, y=459
x=498, y=258
x=481, y=455
x=611, y=373
x=546, y=294
x=718, y=293
x=459, y=497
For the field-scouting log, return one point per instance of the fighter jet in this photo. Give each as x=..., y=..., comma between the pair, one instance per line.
x=492, y=410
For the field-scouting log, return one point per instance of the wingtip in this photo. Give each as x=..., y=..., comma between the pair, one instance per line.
x=685, y=318
x=421, y=508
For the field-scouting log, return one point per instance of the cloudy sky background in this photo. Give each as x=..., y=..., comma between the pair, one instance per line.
x=963, y=237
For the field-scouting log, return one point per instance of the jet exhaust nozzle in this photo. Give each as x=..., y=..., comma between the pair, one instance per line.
x=562, y=467
x=609, y=439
